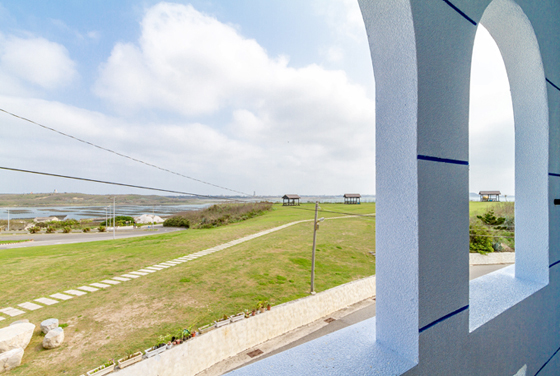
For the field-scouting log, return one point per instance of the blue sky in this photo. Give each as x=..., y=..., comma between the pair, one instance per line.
x=268, y=96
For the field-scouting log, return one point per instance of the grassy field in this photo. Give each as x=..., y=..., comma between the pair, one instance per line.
x=130, y=316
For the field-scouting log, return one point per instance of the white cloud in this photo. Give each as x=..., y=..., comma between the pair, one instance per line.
x=36, y=61
x=491, y=123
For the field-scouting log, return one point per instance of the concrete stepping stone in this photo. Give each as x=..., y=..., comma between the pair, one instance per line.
x=12, y=311
x=154, y=268
x=168, y=264
x=30, y=306
x=172, y=262
x=111, y=282
x=146, y=270
x=61, y=296
x=121, y=279
x=46, y=301
x=100, y=285
x=130, y=276
x=75, y=292
x=161, y=266
x=88, y=288
x=139, y=273
x=1, y=318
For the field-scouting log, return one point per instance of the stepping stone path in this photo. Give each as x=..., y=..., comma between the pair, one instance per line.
x=61, y=296
x=30, y=306
x=88, y=288
x=100, y=285
x=136, y=274
x=12, y=311
x=75, y=292
x=46, y=301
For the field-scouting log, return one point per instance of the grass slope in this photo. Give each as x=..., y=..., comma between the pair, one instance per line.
x=130, y=316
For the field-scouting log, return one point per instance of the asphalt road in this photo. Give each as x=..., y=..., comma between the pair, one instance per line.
x=58, y=238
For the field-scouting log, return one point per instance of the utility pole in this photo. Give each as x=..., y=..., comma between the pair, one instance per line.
x=114, y=223
x=8, y=219
x=315, y=228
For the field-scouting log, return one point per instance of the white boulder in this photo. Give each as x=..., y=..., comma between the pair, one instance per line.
x=54, y=338
x=148, y=218
x=15, y=336
x=48, y=325
x=10, y=359
x=22, y=321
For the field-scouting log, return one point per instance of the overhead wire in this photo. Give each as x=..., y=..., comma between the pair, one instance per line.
x=120, y=154
x=116, y=183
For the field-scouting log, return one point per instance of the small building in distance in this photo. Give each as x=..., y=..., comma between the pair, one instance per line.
x=352, y=198
x=291, y=200
x=489, y=195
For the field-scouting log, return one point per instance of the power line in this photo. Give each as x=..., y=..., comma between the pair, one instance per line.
x=336, y=212
x=120, y=154
x=114, y=183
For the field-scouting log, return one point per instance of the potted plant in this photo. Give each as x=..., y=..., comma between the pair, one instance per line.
x=268, y=307
x=103, y=369
x=157, y=349
x=130, y=359
x=239, y=316
x=206, y=328
x=223, y=321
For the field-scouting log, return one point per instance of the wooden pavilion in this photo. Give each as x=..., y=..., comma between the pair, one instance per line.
x=291, y=200
x=489, y=195
x=352, y=198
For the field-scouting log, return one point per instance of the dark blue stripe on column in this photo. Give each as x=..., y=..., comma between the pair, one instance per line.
x=549, y=359
x=550, y=82
x=442, y=160
x=554, y=263
x=553, y=174
x=443, y=318
x=460, y=12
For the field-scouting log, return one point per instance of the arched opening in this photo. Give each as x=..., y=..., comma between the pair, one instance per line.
x=491, y=159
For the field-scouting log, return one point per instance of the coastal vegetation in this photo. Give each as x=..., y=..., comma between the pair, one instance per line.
x=131, y=316
x=218, y=215
x=493, y=228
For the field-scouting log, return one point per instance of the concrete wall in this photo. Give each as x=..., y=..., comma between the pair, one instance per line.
x=202, y=352
x=430, y=319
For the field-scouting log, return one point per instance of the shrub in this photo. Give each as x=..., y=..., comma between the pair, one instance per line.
x=120, y=220
x=177, y=222
x=480, y=239
x=86, y=229
x=50, y=230
x=67, y=229
x=34, y=230
x=101, y=229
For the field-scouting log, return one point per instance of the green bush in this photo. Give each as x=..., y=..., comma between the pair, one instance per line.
x=101, y=229
x=34, y=230
x=67, y=229
x=86, y=229
x=177, y=222
x=121, y=220
x=50, y=230
x=480, y=239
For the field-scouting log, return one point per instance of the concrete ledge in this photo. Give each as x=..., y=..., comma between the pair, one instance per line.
x=492, y=258
x=204, y=351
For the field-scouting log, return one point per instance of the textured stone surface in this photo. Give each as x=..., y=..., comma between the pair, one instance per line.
x=46, y=301
x=88, y=288
x=75, y=292
x=30, y=306
x=54, y=338
x=49, y=325
x=100, y=285
x=22, y=321
x=10, y=359
x=12, y=311
x=15, y=336
x=61, y=296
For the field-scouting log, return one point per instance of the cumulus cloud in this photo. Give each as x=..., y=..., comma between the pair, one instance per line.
x=266, y=125
x=36, y=61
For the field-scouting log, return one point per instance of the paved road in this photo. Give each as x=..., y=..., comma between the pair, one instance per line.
x=55, y=239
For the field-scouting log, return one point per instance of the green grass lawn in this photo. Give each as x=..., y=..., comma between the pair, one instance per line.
x=130, y=316
x=14, y=241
